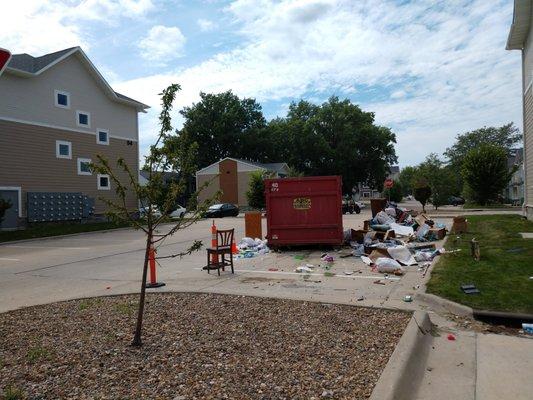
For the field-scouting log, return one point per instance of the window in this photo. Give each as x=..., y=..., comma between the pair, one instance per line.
x=63, y=149
x=103, y=182
x=61, y=99
x=83, y=119
x=102, y=136
x=84, y=167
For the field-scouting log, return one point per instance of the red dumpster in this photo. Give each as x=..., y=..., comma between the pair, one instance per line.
x=304, y=210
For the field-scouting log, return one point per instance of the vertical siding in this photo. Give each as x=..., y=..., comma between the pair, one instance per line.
x=528, y=145
x=28, y=159
x=243, y=182
x=210, y=190
x=32, y=99
x=228, y=181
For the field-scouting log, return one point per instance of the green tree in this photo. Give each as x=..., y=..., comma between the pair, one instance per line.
x=159, y=159
x=407, y=175
x=421, y=191
x=256, y=190
x=439, y=178
x=395, y=193
x=486, y=173
x=505, y=136
x=337, y=138
x=223, y=125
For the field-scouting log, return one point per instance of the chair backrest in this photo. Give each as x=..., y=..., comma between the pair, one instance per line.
x=225, y=238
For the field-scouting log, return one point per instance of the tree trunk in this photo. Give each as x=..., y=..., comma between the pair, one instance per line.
x=137, y=342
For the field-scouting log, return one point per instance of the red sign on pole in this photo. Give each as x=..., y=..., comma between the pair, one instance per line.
x=5, y=56
x=388, y=183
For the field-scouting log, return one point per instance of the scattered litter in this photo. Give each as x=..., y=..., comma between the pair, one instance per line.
x=402, y=230
x=109, y=287
x=388, y=265
x=408, y=299
x=469, y=289
x=360, y=298
x=348, y=272
x=249, y=248
x=379, y=282
x=402, y=255
x=327, y=258
x=366, y=260
x=273, y=269
x=304, y=268
x=451, y=337
x=528, y=328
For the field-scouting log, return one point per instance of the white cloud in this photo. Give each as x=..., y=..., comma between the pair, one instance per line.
x=162, y=43
x=41, y=26
x=206, y=25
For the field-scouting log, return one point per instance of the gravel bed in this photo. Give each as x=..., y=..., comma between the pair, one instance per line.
x=196, y=346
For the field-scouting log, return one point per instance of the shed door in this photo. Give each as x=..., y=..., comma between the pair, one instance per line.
x=11, y=215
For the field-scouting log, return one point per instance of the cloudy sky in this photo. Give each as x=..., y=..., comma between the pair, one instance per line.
x=429, y=69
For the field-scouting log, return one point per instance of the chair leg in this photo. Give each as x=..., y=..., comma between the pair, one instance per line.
x=231, y=263
x=207, y=262
x=218, y=268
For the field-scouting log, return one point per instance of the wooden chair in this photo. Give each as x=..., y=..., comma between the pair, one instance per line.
x=225, y=239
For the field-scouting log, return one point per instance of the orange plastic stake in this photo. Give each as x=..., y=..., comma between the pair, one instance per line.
x=214, y=243
x=153, y=280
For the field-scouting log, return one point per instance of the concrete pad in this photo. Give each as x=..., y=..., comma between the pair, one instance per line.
x=504, y=367
x=450, y=371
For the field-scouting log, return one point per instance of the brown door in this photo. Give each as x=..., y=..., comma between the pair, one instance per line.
x=228, y=181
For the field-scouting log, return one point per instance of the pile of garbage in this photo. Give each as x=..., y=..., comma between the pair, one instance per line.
x=396, y=238
x=249, y=248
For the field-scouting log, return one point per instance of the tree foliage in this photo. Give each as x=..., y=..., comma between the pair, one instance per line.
x=406, y=179
x=165, y=154
x=439, y=178
x=486, y=173
x=421, y=191
x=335, y=138
x=505, y=136
x=256, y=190
x=223, y=125
x=395, y=193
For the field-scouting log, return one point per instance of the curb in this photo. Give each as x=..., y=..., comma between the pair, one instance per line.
x=406, y=366
x=64, y=236
x=438, y=303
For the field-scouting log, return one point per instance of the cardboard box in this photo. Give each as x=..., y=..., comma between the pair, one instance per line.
x=460, y=225
x=440, y=233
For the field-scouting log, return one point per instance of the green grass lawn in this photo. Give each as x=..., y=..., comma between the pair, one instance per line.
x=502, y=274
x=44, y=230
x=470, y=206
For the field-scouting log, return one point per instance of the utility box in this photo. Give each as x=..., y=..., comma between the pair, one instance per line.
x=304, y=211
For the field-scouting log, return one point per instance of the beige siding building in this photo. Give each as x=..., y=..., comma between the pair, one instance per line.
x=232, y=177
x=521, y=38
x=57, y=113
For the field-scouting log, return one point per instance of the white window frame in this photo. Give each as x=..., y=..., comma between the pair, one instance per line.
x=56, y=92
x=69, y=144
x=98, y=136
x=108, y=187
x=83, y=160
x=78, y=112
